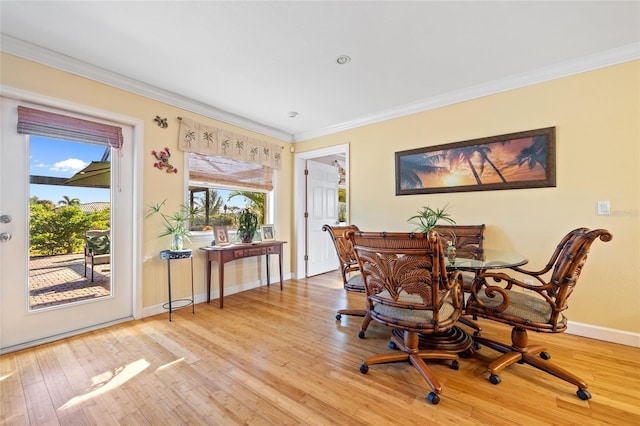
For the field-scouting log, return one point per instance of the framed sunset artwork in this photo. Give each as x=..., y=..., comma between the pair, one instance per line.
x=512, y=161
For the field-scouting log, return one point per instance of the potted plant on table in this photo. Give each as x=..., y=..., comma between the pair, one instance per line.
x=176, y=225
x=426, y=220
x=247, y=225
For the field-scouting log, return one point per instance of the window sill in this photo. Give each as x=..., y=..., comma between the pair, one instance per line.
x=201, y=238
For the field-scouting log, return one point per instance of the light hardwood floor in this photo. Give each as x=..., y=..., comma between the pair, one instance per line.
x=272, y=357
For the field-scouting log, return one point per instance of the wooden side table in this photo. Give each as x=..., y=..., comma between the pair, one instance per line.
x=170, y=255
x=222, y=255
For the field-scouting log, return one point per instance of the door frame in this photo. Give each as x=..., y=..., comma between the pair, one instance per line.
x=299, y=190
x=136, y=215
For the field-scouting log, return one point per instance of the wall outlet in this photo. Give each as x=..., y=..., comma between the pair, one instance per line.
x=604, y=208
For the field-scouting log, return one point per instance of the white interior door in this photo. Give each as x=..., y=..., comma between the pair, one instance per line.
x=322, y=208
x=20, y=325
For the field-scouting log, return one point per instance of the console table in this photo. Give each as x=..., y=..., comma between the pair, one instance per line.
x=222, y=255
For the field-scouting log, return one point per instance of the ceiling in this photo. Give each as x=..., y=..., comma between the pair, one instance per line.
x=252, y=63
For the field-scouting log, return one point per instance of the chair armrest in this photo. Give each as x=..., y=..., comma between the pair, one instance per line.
x=537, y=275
x=508, y=281
x=497, y=286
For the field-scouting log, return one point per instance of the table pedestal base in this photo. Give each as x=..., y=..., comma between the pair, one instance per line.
x=453, y=340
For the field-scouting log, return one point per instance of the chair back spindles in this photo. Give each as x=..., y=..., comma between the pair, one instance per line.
x=468, y=239
x=406, y=271
x=349, y=269
x=408, y=288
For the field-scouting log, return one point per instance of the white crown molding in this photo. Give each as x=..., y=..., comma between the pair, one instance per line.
x=53, y=59
x=587, y=63
x=564, y=69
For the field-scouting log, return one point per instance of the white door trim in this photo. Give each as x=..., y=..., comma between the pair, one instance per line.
x=136, y=183
x=299, y=198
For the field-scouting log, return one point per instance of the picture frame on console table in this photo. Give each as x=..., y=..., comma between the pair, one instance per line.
x=221, y=236
x=267, y=233
x=511, y=161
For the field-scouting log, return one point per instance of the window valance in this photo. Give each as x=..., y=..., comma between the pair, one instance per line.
x=200, y=138
x=43, y=123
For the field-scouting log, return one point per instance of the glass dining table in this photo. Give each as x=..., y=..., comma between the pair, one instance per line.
x=489, y=259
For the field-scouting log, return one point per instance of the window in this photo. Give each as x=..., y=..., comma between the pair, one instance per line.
x=227, y=169
x=70, y=196
x=219, y=188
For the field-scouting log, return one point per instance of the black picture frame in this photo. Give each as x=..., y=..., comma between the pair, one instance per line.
x=512, y=161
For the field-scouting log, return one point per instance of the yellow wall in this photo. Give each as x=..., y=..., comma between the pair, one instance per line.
x=157, y=186
x=597, y=120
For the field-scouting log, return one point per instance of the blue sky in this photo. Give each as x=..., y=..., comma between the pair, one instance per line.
x=58, y=158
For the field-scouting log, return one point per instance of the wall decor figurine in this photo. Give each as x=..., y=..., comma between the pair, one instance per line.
x=163, y=161
x=161, y=122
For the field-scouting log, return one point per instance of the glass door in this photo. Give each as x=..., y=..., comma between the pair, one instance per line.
x=48, y=210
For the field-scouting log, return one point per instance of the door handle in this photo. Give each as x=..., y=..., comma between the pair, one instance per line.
x=5, y=236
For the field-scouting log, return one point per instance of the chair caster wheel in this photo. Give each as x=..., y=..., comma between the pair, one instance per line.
x=583, y=394
x=364, y=368
x=495, y=379
x=361, y=334
x=476, y=346
x=433, y=398
x=476, y=333
x=393, y=346
x=455, y=365
x=545, y=355
x=338, y=317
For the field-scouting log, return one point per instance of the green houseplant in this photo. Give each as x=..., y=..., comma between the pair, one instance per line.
x=176, y=224
x=427, y=218
x=247, y=225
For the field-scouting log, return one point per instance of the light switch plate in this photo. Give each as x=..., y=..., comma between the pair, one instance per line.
x=604, y=208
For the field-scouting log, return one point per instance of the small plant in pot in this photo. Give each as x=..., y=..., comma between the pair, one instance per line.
x=176, y=225
x=247, y=225
x=427, y=218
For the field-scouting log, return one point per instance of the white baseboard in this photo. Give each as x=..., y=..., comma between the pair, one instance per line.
x=611, y=335
x=228, y=291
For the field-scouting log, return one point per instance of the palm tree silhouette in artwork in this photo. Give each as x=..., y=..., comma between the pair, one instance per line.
x=412, y=164
x=536, y=153
x=459, y=156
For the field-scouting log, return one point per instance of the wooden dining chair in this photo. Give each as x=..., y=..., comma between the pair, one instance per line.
x=469, y=243
x=408, y=289
x=468, y=240
x=348, y=264
x=538, y=306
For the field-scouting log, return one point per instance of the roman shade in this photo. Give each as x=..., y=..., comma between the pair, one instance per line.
x=43, y=123
x=212, y=170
